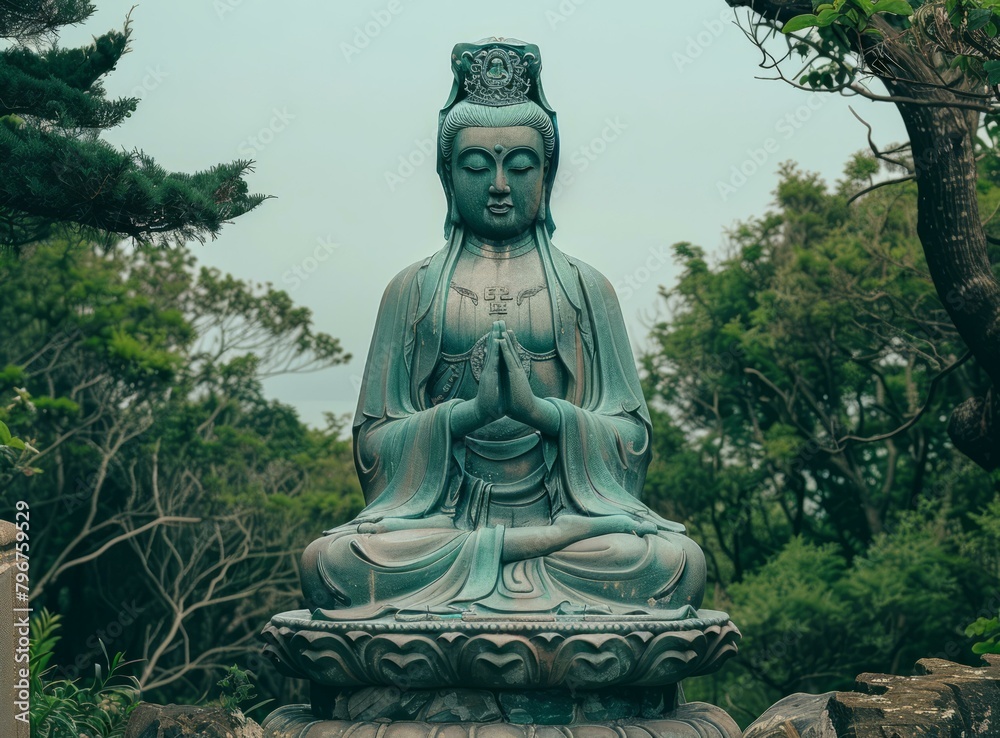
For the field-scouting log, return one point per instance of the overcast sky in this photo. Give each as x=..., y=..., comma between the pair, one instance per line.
x=337, y=102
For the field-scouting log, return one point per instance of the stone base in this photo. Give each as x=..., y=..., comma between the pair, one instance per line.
x=589, y=653
x=518, y=706
x=693, y=720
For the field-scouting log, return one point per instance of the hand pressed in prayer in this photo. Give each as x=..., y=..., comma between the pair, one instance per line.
x=522, y=403
x=489, y=401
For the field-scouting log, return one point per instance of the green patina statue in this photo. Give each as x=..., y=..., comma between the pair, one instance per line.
x=501, y=436
x=505, y=574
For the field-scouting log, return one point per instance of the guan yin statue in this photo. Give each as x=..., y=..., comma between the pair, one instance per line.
x=505, y=576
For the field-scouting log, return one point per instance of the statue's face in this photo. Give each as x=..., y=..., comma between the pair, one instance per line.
x=498, y=175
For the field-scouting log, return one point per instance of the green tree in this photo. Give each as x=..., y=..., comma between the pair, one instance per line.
x=54, y=168
x=938, y=62
x=797, y=389
x=175, y=498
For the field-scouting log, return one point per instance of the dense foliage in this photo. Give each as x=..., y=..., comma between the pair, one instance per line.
x=938, y=62
x=170, y=499
x=97, y=705
x=789, y=383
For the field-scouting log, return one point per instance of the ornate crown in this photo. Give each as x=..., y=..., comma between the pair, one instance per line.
x=496, y=73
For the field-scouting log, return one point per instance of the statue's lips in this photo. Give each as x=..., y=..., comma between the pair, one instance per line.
x=499, y=209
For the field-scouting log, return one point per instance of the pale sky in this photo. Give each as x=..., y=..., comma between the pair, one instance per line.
x=337, y=102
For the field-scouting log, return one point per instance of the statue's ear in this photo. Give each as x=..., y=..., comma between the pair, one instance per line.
x=449, y=193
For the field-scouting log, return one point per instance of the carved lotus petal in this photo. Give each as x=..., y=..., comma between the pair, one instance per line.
x=500, y=661
x=498, y=654
x=667, y=656
x=335, y=659
x=408, y=661
x=592, y=660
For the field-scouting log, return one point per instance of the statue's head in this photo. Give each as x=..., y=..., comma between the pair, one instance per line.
x=498, y=142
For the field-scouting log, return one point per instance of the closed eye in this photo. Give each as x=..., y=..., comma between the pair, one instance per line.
x=522, y=170
x=469, y=168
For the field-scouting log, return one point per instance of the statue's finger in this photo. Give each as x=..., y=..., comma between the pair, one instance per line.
x=510, y=353
x=491, y=352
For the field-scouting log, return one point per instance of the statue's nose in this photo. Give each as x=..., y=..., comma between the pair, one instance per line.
x=500, y=186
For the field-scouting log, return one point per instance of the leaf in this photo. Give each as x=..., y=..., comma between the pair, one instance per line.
x=862, y=6
x=978, y=18
x=827, y=17
x=985, y=647
x=992, y=69
x=4, y=434
x=896, y=7
x=799, y=22
x=16, y=443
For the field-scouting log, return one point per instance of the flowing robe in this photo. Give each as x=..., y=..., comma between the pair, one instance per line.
x=412, y=468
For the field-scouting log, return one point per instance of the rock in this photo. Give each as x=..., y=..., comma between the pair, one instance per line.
x=796, y=716
x=942, y=700
x=181, y=721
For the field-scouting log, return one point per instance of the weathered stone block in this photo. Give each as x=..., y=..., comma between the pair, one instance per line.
x=540, y=708
x=943, y=700
x=187, y=721
x=463, y=705
x=796, y=716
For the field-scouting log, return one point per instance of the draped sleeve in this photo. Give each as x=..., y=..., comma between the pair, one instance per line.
x=402, y=450
x=604, y=442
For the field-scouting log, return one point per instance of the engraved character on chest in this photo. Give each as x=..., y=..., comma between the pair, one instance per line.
x=480, y=296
